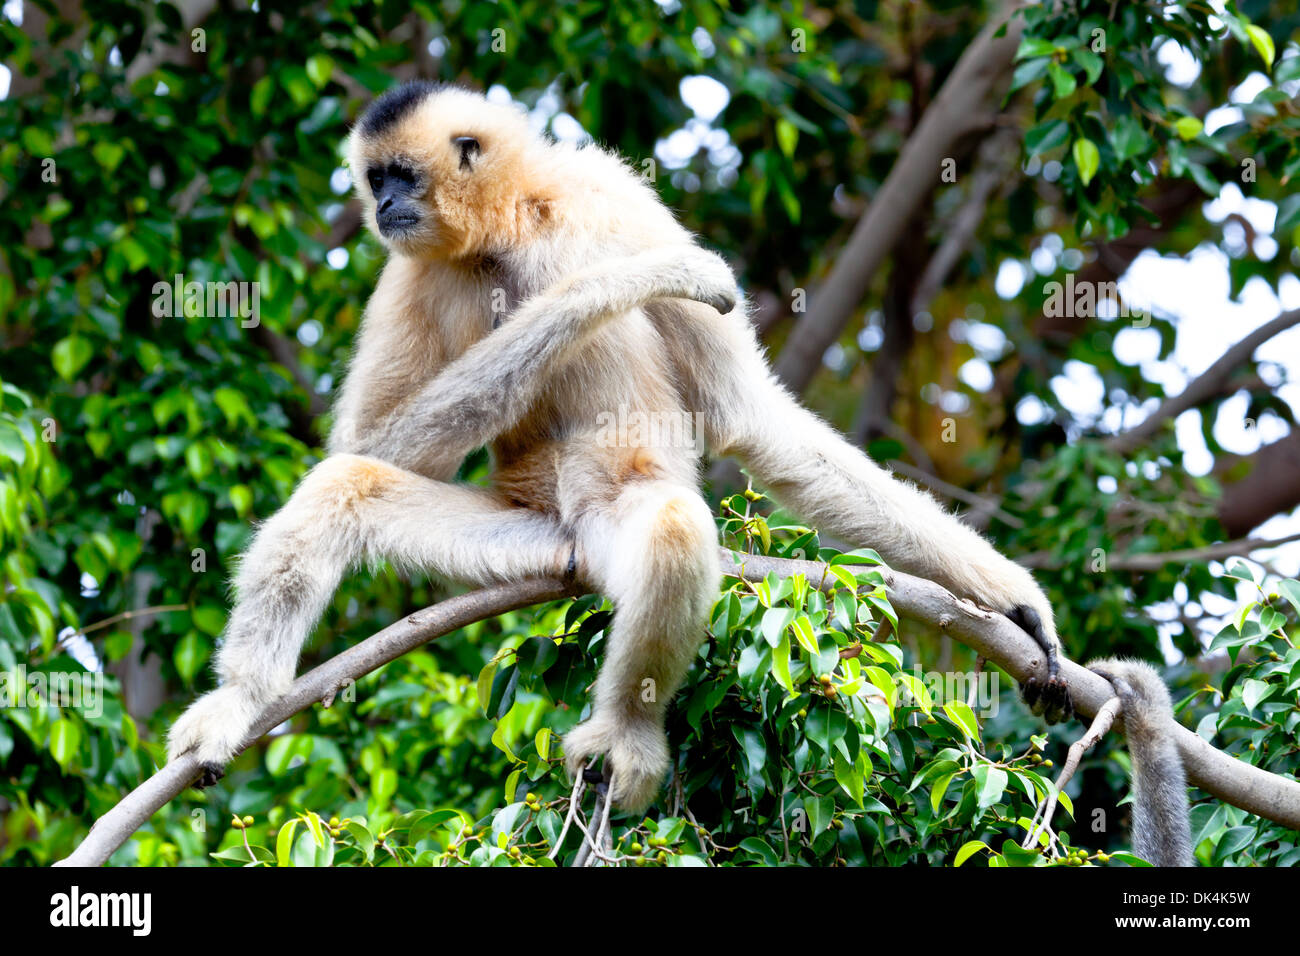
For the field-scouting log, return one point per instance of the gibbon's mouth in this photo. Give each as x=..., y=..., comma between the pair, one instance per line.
x=397, y=224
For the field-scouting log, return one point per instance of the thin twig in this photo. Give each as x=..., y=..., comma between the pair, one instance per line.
x=1100, y=726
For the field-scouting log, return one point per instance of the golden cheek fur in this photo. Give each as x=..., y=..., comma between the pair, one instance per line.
x=468, y=205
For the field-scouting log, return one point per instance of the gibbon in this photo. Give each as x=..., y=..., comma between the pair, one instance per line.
x=1162, y=833
x=532, y=289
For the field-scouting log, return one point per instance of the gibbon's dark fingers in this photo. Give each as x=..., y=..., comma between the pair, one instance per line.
x=1161, y=814
x=1049, y=699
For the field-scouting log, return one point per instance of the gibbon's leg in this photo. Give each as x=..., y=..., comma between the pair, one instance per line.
x=492, y=386
x=653, y=552
x=814, y=471
x=348, y=509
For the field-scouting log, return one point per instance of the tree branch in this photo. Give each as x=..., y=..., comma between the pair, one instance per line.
x=960, y=108
x=1272, y=487
x=990, y=634
x=1205, y=386
x=1157, y=560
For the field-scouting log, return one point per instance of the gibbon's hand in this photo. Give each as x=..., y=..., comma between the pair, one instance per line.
x=705, y=277
x=1049, y=699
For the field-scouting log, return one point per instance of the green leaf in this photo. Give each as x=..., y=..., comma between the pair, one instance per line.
x=803, y=632
x=190, y=654
x=1046, y=136
x=1253, y=691
x=1189, y=127
x=1290, y=589
x=484, y=684
x=1087, y=159
x=1034, y=46
x=284, y=843
x=781, y=665
x=543, y=743
x=787, y=136
x=992, y=783
x=959, y=713
x=968, y=850
x=1063, y=82
x=383, y=785
x=319, y=68
x=1262, y=42
x=1239, y=569
x=65, y=738
x=938, y=791
x=70, y=355
x=775, y=621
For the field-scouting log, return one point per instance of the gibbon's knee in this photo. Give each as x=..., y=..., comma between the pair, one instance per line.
x=667, y=553
x=321, y=515
x=340, y=482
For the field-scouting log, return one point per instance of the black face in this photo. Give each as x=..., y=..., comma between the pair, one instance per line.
x=394, y=189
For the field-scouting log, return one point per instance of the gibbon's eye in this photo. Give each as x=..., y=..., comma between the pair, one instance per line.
x=376, y=179
x=468, y=147
x=403, y=174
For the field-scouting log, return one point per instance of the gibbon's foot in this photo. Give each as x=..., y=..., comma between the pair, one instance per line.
x=1049, y=699
x=636, y=758
x=214, y=726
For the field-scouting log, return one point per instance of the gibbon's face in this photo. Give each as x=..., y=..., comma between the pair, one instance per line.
x=439, y=170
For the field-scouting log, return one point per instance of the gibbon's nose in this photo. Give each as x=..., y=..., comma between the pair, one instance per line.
x=385, y=203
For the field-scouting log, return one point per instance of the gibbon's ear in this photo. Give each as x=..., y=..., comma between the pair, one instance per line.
x=469, y=147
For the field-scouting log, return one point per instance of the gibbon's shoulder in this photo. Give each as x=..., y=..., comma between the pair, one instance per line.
x=590, y=171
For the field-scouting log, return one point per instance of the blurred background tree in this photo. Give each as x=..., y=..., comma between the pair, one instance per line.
x=912, y=196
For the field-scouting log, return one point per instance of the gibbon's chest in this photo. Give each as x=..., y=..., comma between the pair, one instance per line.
x=611, y=415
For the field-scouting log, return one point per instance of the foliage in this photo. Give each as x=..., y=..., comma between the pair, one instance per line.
x=138, y=443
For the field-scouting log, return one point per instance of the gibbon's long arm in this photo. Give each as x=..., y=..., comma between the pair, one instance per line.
x=815, y=472
x=492, y=386
x=1162, y=832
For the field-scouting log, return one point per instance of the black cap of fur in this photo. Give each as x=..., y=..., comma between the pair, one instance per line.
x=393, y=105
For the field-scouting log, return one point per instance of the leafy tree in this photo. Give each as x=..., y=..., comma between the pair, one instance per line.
x=139, y=438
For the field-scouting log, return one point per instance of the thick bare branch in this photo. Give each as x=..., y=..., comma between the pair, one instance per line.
x=962, y=106
x=990, y=634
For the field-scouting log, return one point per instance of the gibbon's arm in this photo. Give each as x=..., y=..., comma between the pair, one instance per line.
x=815, y=472
x=490, y=387
x=1162, y=833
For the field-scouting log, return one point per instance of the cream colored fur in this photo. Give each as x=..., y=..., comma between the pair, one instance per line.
x=619, y=309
